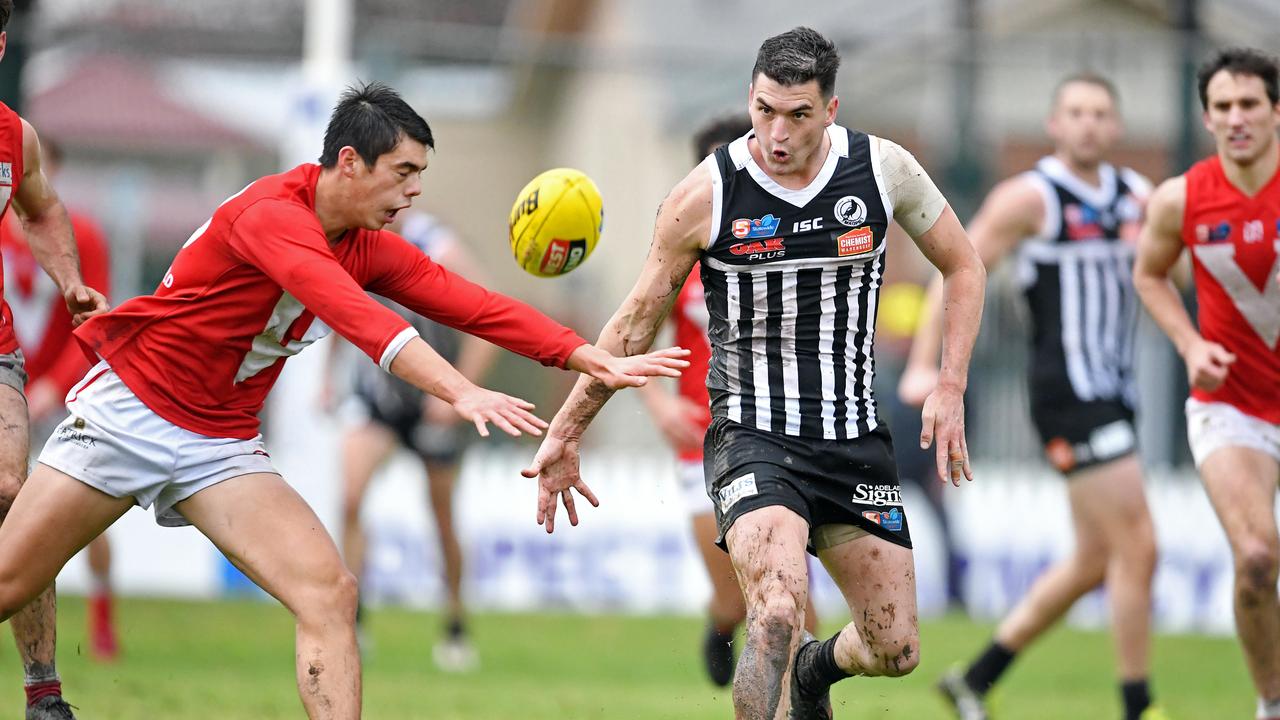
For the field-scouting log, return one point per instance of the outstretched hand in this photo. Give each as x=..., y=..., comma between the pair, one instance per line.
x=635, y=370
x=942, y=425
x=510, y=414
x=556, y=468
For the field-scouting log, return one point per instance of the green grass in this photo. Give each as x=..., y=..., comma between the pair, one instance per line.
x=231, y=660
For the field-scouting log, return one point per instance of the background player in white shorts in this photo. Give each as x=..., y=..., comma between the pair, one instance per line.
x=1226, y=211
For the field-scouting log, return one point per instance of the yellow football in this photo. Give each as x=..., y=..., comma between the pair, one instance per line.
x=555, y=222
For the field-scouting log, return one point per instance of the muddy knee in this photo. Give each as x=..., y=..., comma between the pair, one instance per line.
x=1257, y=568
x=895, y=657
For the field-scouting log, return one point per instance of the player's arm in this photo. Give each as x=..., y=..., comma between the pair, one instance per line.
x=1159, y=247
x=45, y=396
x=475, y=355
x=404, y=274
x=921, y=210
x=1012, y=211
x=49, y=233
x=683, y=223
x=284, y=241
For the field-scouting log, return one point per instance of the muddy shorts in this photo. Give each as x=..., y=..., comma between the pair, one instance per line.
x=826, y=482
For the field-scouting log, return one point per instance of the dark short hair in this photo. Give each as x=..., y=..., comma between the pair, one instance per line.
x=6, y=12
x=718, y=131
x=1087, y=78
x=371, y=118
x=797, y=56
x=1240, y=61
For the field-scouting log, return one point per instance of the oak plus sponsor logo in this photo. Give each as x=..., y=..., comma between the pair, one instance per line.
x=760, y=249
x=878, y=495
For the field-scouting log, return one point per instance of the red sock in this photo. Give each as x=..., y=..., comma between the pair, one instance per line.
x=35, y=691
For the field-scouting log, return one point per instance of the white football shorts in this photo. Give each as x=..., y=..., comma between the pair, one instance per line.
x=1211, y=426
x=112, y=442
x=693, y=487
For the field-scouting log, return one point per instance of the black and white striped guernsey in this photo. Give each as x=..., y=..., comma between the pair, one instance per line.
x=792, y=279
x=1077, y=278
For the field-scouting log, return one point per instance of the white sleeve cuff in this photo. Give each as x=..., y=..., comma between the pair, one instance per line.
x=395, y=346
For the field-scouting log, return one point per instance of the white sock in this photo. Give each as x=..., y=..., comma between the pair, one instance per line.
x=1268, y=709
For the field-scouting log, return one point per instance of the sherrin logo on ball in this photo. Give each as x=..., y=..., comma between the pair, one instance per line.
x=555, y=222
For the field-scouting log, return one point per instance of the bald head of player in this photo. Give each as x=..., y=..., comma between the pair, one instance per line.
x=1084, y=120
x=375, y=150
x=792, y=101
x=1240, y=93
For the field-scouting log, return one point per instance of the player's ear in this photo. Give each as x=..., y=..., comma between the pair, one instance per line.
x=348, y=161
x=4, y=41
x=832, y=105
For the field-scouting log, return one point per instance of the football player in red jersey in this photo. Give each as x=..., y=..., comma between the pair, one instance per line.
x=169, y=416
x=1226, y=211
x=54, y=363
x=24, y=185
x=683, y=417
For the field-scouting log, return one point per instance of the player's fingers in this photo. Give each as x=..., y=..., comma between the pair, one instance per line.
x=520, y=402
x=534, y=469
x=955, y=462
x=530, y=418
x=522, y=424
x=671, y=352
x=550, y=524
x=940, y=459
x=501, y=422
x=964, y=448
x=566, y=497
x=542, y=505
x=926, y=427
x=481, y=427
x=585, y=492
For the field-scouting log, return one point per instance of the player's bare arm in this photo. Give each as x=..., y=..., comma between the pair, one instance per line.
x=922, y=211
x=49, y=232
x=1012, y=212
x=1159, y=247
x=679, y=233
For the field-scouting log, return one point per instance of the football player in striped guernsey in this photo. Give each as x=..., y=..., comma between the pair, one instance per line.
x=788, y=223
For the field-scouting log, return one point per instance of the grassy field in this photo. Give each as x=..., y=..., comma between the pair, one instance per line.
x=233, y=660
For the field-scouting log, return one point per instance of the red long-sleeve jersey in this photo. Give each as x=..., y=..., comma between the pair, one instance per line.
x=259, y=282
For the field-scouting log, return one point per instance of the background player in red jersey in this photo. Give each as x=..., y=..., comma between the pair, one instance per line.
x=23, y=183
x=1226, y=210
x=683, y=418
x=54, y=363
x=169, y=417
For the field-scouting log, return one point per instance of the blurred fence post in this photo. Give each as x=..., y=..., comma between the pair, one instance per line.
x=965, y=171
